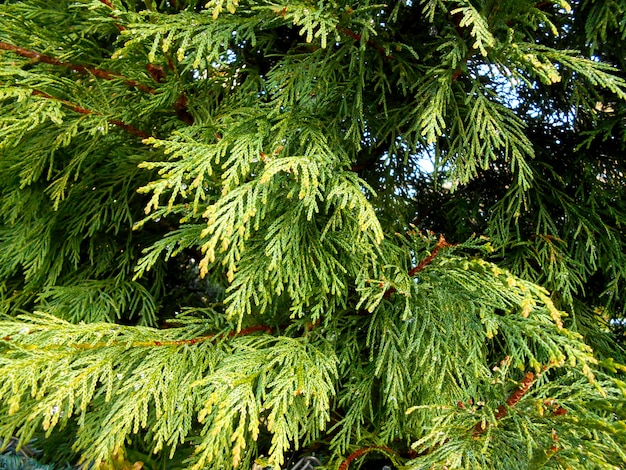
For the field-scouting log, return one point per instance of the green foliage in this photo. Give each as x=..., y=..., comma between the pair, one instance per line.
x=16, y=462
x=238, y=231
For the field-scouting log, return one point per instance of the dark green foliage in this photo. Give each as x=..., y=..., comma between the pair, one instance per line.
x=237, y=232
x=16, y=462
x=23, y=459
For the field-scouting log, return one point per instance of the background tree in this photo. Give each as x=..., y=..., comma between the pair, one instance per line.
x=240, y=231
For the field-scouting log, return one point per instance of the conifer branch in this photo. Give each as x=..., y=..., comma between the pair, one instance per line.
x=502, y=411
x=110, y=5
x=348, y=32
x=441, y=243
x=83, y=69
x=79, y=109
x=456, y=19
x=370, y=42
x=68, y=104
x=179, y=342
x=155, y=72
x=457, y=73
x=360, y=452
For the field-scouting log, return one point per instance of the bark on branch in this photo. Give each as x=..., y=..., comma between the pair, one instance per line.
x=80, y=110
x=442, y=243
x=503, y=410
x=370, y=42
x=360, y=452
x=82, y=69
x=110, y=5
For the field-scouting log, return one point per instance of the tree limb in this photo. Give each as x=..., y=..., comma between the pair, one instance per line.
x=442, y=243
x=80, y=110
x=110, y=5
x=370, y=42
x=360, y=452
x=83, y=69
x=516, y=396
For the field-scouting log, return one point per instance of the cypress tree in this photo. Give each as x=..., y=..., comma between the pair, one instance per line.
x=238, y=232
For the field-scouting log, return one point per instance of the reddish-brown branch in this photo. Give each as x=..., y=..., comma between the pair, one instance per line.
x=360, y=452
x=375, y=155
x=370, y=42
x=182, y=110
x=250, y=330
x=502, y=411
x=310, y=326
x=441, y=243
x=129, y=128
x=74, y=107
x=543, y=6
x=83, y=69
x=155, y=71
x=522, y=389
x=516, y=396
x=110, y=5
x=68, y=104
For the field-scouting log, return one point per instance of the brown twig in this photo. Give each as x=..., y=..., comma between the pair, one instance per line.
x=182, y=110
x=83, y=69
x=370, y=42
x=110, y=5
x=441, y=243
x=80, y=110
x=543, y=6
x=156, y=72
x=128, y=128
x=502, y=411
x=360, y=452
x=527, y=381
x=178, y=342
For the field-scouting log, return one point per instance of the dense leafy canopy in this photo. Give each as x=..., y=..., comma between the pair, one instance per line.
x=243, y=231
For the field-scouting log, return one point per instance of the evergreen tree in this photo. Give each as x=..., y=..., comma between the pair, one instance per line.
x=243, y=231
